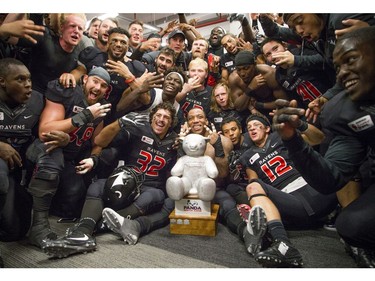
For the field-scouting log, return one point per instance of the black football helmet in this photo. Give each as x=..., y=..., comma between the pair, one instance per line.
x=122, y=187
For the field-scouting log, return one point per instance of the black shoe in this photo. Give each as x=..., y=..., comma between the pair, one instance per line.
x=330, y=223
x=255, y=229
x=238, y=17
x=280, y=254
x=1, y=261
x=364, y=258
x=74, y=243
x=40, y=234
x=101, y=227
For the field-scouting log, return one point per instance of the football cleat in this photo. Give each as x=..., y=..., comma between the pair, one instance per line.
x=1, y=261
x=364, y=258
x=128, y=229
x=237, y=17
x=40, y=234
x=244, y=211
x=280, y=254
x=255, y=230
x=74, y=243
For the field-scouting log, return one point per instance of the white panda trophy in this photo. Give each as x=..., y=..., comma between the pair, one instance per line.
x=193, y=173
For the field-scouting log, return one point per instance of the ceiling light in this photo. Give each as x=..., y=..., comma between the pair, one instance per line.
x=152, y=27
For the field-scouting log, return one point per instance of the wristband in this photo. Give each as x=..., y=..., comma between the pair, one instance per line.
x=95, y=159
x=303, y=127
x=129, y=80
x=259, y=105
x=219, y=150
x=248, y=92
x=82, y=118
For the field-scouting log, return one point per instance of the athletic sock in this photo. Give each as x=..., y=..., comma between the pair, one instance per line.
x=130, y=212
x=277, y=230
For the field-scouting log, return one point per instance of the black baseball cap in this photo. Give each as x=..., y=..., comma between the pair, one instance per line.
x=176, y=32
x=153, y=35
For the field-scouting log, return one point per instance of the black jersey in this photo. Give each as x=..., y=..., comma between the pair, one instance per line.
x=271, y=162
x=195, y=99
x=74, y=101
x=302, y=81
x=140, y=147
x=217, y=117
x=342, y=116
x=19, y=125
x=227, y=62
x=92, y=57
x=236, y=170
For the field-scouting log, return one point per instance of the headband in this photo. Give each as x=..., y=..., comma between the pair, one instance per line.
x=179, y=75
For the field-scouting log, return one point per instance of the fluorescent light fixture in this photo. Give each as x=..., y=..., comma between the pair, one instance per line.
x=148, y=26
x=111, y=15
x=102, y=17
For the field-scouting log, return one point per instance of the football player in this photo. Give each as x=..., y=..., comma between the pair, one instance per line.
x=20, y=109
x=144, y=145
x=277, y=191
x=79, y=112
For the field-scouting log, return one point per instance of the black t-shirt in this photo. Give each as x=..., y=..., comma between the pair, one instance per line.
x=48, y=60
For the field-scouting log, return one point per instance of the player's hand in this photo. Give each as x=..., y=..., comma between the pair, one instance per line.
x=351, y=25
x=67, y=80
x=314, y=108
x=151, y=44
x=84, y=166
x=257, y=82
x=152, y=81
x=23, y=29
x=10, y=155
x=245, y=45
x=193, y=83
x=286, y=118
x=213, y=135
x=99, y=110
x=118, y=67
x=55, y=139
x=284, y=59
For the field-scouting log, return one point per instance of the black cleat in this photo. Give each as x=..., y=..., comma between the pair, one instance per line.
x=73, y=243
x=255, y=229
x=40, y=235
x=101, y=227
x=1, y=261
x=280, y=254
x=237, y=17
x=364, y=258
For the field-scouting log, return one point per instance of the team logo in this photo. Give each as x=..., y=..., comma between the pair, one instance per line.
x=147, y=140
x=361, y=124
x=77, y=109
x=254, y=158
x=192, y=207
x=229, y=63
